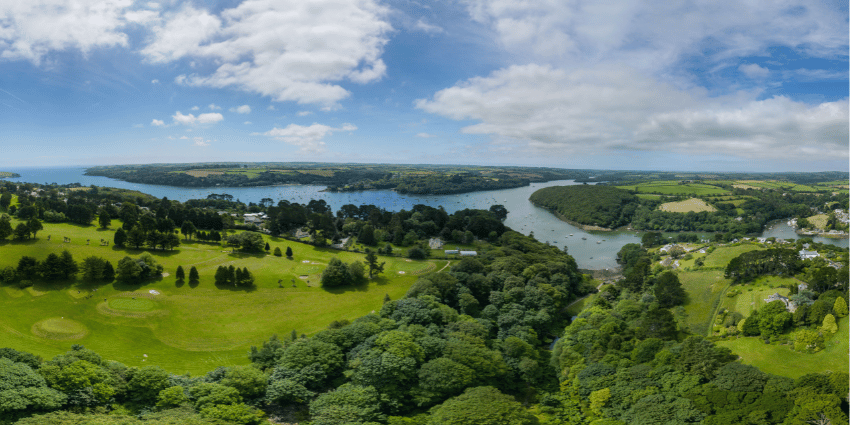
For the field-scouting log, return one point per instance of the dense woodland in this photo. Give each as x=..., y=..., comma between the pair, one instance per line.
x=467, y=345
x=413, y=179
x=610, y=207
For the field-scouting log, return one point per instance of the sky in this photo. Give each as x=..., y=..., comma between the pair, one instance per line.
x=606, y=84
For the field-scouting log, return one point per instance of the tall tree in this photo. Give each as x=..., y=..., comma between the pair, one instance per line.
x=34, y=226
x=104, y=219
x=22, y=232
x=288, y=252
x=180, y=274
x=120, y=237
x=5, y=226
x=136, y=237
x=668, y=290
x=372, y=262
x=193, y=274
x=188, y=229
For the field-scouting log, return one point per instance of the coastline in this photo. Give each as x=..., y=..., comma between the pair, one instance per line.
x=585, y=227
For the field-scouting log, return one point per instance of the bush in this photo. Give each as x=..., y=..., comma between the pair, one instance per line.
x=277, y=252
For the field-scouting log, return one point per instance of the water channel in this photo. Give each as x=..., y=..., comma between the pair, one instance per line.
x=592, y=250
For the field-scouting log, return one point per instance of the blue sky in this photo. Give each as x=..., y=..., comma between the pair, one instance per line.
x=667, y=85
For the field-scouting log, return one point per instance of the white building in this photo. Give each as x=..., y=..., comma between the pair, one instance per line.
x=805, y=255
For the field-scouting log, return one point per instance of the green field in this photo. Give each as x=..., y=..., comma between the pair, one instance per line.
x=721, y=256
x=704, y=289
x=184, y=327
x=688, y=205
x=672, y=187
x=752, y=295
x=781, y=360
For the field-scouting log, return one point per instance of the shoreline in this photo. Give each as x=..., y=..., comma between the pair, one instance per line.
x=585, y=227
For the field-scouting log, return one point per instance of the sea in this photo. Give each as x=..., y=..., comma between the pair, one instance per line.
x=591, y=249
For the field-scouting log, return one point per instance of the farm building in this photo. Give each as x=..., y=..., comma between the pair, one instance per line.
x=805, y=255
x=468, y=253
x=451, y=251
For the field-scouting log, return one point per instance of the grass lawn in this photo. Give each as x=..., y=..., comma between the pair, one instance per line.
x=781, y=360
x=688, y=205
x=721, y=256
x=184, y=328
x=819, y=221
x=674, y=188
x=704, y=289
x=752, y=295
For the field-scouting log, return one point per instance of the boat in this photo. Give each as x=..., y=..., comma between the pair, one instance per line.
x=583, y=238
x=571, y=234
x=598, y=242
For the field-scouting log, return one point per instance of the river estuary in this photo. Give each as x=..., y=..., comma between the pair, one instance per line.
x=592, y=250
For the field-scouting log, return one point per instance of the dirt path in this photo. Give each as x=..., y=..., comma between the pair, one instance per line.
x=444, y=267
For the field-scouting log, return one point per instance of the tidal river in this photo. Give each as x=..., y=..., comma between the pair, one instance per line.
x=592, y=250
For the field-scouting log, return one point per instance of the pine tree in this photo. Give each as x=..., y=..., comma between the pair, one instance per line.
x=387, y=298
x=120, y=237
x=840, y=307
x=268, y=247
x=288, y=252
x=108, y=272
x=179, y=274
x=277, y=252
x=231, y=274
x=221, y=275
x=193, y=274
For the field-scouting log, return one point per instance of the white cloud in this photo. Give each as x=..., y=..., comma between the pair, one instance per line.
x=547, y=111
x=652, y=35
x=244, y=109
x=247, y=123
x=754, y=71
x=194, y=108
x=423, y=26
x=213, y=106
x=309, y=138
x=289, y=50
x=190, y=119
x=30, y=30
x=271, y=108
x=158, y=123
x=304, y=113
x=199, y=141
x=425, y=135
x=154, y=81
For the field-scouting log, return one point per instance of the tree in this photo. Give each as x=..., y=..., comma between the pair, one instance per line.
x=180, y=274
x=34, y=226
x=348, y=404
x=120, y=237
x=193, y=274
x=108, y=271
x=146, y=384
x=104, y=219
x=268, y=247
x=499, y=211
x=840, y=307
x=93, y=268
x=751, y=325
x=829, y=326
x=288, y=252
x=27, y=268
x=188, y=229
x=355, y=272
x=668, y=290
x=481, y=405
x=171, y=397
x=5, y=226
x=372, y=262
x=367, y=235
x=22, y=232
x=277, y=252
x=335, y=274
x=128, y=270
x=51, y=267
x=136, y=237
x=248, y=380
x=5, y=200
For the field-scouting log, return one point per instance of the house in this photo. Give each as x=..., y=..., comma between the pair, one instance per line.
x=806, y=255
x=468, y=253
x=789, y=305
x=435, y=243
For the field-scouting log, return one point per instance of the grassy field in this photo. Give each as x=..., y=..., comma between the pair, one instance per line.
x=704, y=289
x=721, y=256
x=773, y=184
x=819, y=221
x=781, y=360
x=183, y=327
x=688, y=205
x=752, y=295
x=672, y=187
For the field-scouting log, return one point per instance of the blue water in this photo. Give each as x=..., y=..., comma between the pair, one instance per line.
x=592, y=250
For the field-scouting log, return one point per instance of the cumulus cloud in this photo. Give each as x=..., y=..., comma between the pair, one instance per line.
x=754, y=71
x=191, y=119
x=244, y=109
x=30, y=30
x=154, y=81
x=158, y=123
x=304, y=113
x=423, y=26
x=309, y=138
x=425, y=135
x=651, y=35
x=546, y=110
x=213, y=106
x=289, y=50
x=199, y=141
x=194, y=108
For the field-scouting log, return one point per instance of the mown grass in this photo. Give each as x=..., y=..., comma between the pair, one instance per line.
x=674, y=188
x=752, y=295
x=721, y=256
x=782, y=360
x=704, y=289
x=192, y=327
x=688, y=205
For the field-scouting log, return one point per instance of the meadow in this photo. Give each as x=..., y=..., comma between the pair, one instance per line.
x=782, y=360
x=752, y=296
x=704, y=289
x=184, y=327
x=672, y=187
x=688, y=205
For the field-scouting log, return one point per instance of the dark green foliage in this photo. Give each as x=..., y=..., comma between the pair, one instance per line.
x=481, y=405
x=288, y=252
x=668, y=290
x=277, y=252
x=120, y=237
x=193, y=274
x=749, y=265
x=603, y=206
x=348, y=404
x=180, y=275
x=338, y=273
